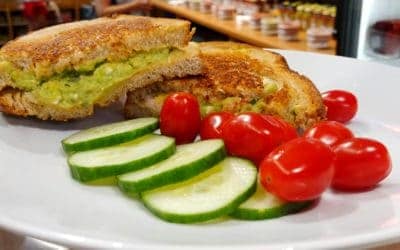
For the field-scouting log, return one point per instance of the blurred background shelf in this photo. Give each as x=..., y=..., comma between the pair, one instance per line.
x=242, y=33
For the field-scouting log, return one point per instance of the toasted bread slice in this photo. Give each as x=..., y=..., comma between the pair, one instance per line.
x=239, y=78
x=64, y=71
x=64, y=47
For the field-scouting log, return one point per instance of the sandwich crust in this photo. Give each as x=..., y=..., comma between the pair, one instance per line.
x=63, y=47
x=236, y=78
x=61, y=50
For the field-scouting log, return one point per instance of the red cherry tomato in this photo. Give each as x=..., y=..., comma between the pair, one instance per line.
x=180, y=117
x=329, y=132
x=252, y=136
x=289, y=132
x=211, y=125
x=342, y=105
x=360, y=163
x=299, y=170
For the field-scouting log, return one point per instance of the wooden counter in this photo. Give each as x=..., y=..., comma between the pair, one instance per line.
x=244, y=33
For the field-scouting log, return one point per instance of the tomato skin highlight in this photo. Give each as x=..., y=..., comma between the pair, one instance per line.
x=299, y=170
x=341, y=105
x=252, y=136
x=329, y=132
x=289, y=132
x=180, y=117
x=247, y=135
x=360, y=163
x=211, y=125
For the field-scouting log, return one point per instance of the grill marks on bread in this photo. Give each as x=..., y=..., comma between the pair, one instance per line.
x=63, y=47
x=232, y=75
x=237, y=70
x=79, y=45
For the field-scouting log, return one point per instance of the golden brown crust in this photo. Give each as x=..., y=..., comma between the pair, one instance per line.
x=18, y=103
x=11, y=103
x=232, y=75
x=63, y=47
x=304, y=103
x=238, y=70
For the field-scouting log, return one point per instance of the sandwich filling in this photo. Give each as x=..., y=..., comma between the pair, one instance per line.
x=88, y=83
x=232, y=82
x=213, y=102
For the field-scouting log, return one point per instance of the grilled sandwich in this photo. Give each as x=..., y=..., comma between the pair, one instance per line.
x=238, y=78
x=64, y=71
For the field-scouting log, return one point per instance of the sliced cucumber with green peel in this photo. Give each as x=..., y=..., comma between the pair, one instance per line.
x=189, y=160
x=115, y=160
x=264, y=205
x=110, y=134
x=214, y=193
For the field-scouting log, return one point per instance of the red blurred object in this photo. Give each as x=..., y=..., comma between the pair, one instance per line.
x=35, y=9
x=384, y=37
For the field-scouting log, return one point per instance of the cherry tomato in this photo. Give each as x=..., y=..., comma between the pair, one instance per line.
x=211, y=125
x=289, y=132
x=252, y=136
x=342, y=105
x=360, y=163
x=299, y=170
x=329, y=132
x=180, y=117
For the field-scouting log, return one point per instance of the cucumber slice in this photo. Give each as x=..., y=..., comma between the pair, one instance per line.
x=189, y=160
x=214, y=193
x=264, y=205
x=108, y=135
x=122, y=158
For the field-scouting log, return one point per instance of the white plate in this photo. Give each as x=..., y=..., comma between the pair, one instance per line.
x=39, y=198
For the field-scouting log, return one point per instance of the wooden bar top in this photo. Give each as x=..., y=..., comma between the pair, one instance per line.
x=240, y=33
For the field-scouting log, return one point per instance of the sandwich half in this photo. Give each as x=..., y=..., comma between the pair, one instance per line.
x=238, y=78
x=64, y=71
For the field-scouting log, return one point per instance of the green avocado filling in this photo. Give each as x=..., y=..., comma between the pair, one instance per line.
x=232, y=103
x=88, y=83
x=23, y=80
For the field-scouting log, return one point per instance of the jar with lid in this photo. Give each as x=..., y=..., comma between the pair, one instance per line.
x=284, y=11
x=318, y=37
x=269, y=26
x=331, y=17
x=194, y=4
x=288, y=31
x=205, y=6
x=226, y=12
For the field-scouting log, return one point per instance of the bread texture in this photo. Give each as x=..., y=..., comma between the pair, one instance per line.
x=57, y=53
x=63, y=47
x=21, y=103
x=239, y=78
